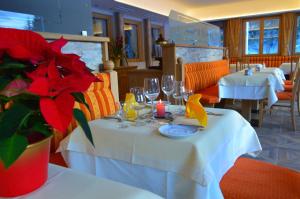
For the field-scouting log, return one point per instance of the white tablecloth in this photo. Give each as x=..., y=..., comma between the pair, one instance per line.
x=65, y=183
x=201, y=160
x=286, y=68
x=260, y=85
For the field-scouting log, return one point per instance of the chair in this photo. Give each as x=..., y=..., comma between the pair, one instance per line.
x=249, y=179
x=285, y=99
x=288, y=84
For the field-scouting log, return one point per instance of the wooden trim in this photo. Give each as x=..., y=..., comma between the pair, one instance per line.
x=109, y=23
x=192, y=46
x=48, y=35
x=140, y=40
x=261, y=39
x=295, y=37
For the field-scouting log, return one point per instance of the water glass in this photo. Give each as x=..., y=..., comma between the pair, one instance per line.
x=187, y=93
x=140, y=99
x=151, y=90
x=178, y=95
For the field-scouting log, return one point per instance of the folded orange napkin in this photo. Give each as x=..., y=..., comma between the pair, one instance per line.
x=130, y=102
x=194, y=109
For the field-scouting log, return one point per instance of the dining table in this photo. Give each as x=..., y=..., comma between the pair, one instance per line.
x=287, y=68
x=250, y=89
x=140, y=156
x=65, y=183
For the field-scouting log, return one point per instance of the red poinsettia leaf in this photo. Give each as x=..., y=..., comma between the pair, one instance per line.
x=58, y=44
x=58, y=112
x=23, y=44
x=53, y=72
x=40, y=86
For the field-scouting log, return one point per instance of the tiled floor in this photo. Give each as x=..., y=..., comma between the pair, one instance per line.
x=281, y=145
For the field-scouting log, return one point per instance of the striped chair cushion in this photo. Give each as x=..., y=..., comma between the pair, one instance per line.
x=269, y=60
x=101, y=103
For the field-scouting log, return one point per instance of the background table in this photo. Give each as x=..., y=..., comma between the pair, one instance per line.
x=249, y=89
x=286, y=68
x=65, y=183
x=172, y=168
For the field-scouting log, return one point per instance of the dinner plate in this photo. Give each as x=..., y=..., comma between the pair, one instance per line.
x=178, y=130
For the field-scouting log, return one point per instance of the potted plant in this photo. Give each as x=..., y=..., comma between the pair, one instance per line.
x=38, y=88
x=117, y=51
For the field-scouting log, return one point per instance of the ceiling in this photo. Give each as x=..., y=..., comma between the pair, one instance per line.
x=207, y=10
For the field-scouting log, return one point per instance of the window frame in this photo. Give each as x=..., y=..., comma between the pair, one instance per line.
x=295, y=36
x=261, y=35
x=108, y=18
x=161, y=30
x=140, y=57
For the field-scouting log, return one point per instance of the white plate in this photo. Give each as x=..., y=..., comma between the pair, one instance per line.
x=177, y=130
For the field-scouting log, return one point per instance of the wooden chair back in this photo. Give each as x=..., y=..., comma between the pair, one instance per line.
x=294, y=74
x=296, y=86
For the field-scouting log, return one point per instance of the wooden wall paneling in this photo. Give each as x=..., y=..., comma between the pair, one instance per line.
x=169, y=59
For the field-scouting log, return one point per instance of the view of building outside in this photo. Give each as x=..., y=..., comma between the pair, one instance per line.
x=252, y=37
x=298, y=36
x=271, y=36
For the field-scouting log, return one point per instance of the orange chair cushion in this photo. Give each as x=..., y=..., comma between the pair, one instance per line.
x=210, y=95
x=288, y=87
x=288, y=82
x=284, y=95
x=249, y=179
x=101, y=103
x=202, y=75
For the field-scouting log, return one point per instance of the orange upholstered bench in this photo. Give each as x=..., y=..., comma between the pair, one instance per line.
x=203, y=77
x=249, y=179
x=269, y=60
x=101, y=103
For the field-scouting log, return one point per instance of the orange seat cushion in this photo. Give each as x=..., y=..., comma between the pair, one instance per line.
x=288, y=87
x=249, y=179
x=210, y=95
x=284, y=95
x=56, y=158
x=288, y=82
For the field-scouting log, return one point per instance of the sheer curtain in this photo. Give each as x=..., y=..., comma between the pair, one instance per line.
x=233, y=34
x=288, y=23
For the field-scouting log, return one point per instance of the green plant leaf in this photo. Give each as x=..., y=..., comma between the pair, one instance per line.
x=41, y=128
x=11, y=119
x=11, y=149
x=4, y=81
x=79, y=115
x=79, y=97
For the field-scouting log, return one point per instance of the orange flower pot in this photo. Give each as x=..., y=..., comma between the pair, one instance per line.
x=28, y=173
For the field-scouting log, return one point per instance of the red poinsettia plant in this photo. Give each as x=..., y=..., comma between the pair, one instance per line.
x=38, y=88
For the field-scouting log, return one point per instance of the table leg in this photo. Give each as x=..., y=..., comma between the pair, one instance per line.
x=246, y=109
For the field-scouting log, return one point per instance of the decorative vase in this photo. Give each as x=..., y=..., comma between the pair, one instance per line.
x=117, y=62
x=108, y=65
x=28, y=172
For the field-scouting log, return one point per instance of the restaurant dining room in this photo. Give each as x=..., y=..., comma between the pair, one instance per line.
x=138, y=99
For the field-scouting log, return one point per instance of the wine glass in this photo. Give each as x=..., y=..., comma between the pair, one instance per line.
x=151, y=90
x=178, y=94
x=167, y=85
x=140, y=99
x=187, y=93
x=120, y=115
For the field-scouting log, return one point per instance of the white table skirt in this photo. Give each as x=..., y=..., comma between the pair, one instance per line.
x=163, y=183
x=286, y=68
x=65, y=183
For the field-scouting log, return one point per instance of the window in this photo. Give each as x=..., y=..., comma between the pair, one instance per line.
x=155, y=32
x=101, y=25
x=262, y=36
x=297, y=47
x=132, y=37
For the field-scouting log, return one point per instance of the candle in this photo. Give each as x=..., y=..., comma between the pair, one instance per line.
x=160, y=109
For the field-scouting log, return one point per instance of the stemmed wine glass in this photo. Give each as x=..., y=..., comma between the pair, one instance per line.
x=167, y=85
x=187, y=93
x=178, y=94
x=151, y=90
x=140, y=99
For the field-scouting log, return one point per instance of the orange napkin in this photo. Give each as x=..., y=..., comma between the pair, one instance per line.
x=194, y=109
x=128, y=108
